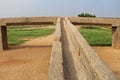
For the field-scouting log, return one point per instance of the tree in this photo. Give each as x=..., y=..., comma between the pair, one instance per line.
x=86, y=15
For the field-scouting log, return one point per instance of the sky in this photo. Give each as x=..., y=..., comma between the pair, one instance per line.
x=36, y=8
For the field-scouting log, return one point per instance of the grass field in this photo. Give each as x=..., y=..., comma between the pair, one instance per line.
x=18, y=35
x=97, y=36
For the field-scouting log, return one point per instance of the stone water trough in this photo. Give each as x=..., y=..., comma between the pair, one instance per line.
x=72, y=57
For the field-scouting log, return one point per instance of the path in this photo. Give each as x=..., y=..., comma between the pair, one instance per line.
x=111, y=57
x=29, y=61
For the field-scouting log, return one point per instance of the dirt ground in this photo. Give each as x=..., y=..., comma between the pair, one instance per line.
x=29, y=61
x=111, y=57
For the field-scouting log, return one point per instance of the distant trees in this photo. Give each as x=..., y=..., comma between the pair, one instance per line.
x=86, y=15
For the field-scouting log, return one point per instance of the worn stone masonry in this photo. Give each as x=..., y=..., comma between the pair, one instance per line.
x=72, y=58
x=110, y=22
x=4, y=22
x=116, y=37
x=81, y=60
x=56, y=68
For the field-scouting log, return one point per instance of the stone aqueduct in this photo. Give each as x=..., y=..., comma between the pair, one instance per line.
x=72, y=58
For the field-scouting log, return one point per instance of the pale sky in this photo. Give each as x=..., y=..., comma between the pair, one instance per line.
x=25, y=8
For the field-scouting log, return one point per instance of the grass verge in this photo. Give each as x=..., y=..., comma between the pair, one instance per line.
x=18, y=35
x=97, y=36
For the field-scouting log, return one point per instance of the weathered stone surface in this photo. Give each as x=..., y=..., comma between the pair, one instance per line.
x=116, y=37
x=58, y=31
x=86, y=64
x=28, y=21
x=3, y=38
x=95, y=21
x=101, y=21
x=1, y=43
x=72, y=58
x=56, y=62
x=56, y=67
x=70, y=54
x=53, y=20
x=4, y=22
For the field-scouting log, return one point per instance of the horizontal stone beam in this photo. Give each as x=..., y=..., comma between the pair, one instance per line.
x=28, y=21
x=95, y=21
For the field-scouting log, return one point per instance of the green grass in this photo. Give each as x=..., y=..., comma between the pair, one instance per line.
x=97, y=36
x=18, y=35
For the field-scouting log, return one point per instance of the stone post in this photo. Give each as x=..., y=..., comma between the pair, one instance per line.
x=3, y=38
x=116, y=37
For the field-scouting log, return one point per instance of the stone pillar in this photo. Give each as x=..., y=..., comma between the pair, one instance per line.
x=116, y=37
x=3, y=38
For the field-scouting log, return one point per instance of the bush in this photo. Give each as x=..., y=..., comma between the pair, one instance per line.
x=86, y=15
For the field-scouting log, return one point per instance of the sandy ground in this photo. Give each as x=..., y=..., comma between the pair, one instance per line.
x=111, y=57
x=29, y=61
